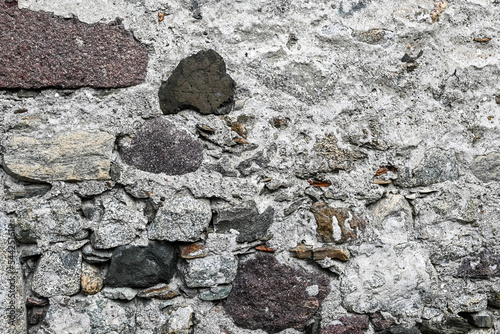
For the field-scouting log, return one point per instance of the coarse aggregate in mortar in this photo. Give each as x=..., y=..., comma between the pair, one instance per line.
x=307, y=73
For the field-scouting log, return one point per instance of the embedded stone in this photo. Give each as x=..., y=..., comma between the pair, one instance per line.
x=271, y=296
x=355, y=324
x=346, y=226
x=486, y=167
x=58, y=273
x=91, y=280
x=483, y=265
x=245, y=219
x=142, y=267
x=119, y=293
x=13, y=309
x=216, y=293
x=199, y=82
x=179, y=321
x=483, y=319
x=92, y=255
x=468, y=303
x=160, y=147
x=41, y=50
x=160, y=291
x=209, y=271
x=182, y=219
x=449, y=325
x=120, y=224
x=192, y=251
x=69, y=156
x=89, y=314
x=330, y=252
x=437, y=166
x=55, y=221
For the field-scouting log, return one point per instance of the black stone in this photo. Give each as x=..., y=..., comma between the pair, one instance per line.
x=142, y=267
x=159, y=147
x=271, y=296
x=245, y=218
x=199, y=82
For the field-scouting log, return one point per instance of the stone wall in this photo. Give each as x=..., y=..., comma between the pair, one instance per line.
x=240, y=167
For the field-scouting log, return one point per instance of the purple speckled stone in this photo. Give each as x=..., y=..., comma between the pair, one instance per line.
x=271, y=296
x=159, y=147
x=41, y=50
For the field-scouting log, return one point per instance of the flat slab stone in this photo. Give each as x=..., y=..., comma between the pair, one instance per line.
x=160, y=147
x=199, y=82
x=69, y=156
x=209, y=271
x=41, y=50
x=13, y=310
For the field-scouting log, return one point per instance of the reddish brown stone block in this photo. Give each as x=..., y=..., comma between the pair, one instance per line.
x=40, y=50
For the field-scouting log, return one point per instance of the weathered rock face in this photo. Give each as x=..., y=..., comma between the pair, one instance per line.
x=483, y=265
x=58, y=273
x=270, y=296
x=199, y=82
x=159, y=147
x=209, y=271
x=345, y=227
x=182, y=219
x=353, y=325
x=141, y=267
x=486, y=167
x=245, y=219
x=42, y=50
x=70, y=156
x=53, y=222
x=13, y=310
x=89, y=314
x=437, y=166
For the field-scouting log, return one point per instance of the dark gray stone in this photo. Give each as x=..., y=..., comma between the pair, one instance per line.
x=245, y=218
x=450, y=325
x=160, y=147
x=199, y=82
x=66, y=53
x=271, y=296
x=487, y=167
x=483, y=319
x=142, y=267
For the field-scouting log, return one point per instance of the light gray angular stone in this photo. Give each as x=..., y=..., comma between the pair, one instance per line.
x=487, y=167
x=55, y=221
x=182, y=219
x=89, y=314
x=120, y=293
x=121, y=223
x=12, y=310
x=209, y=271
x=468, y=303
x=180, y=321
x=69, y=156
x=392, y=219
x=58, y=273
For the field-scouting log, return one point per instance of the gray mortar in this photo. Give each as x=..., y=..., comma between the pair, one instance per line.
x=327, y=67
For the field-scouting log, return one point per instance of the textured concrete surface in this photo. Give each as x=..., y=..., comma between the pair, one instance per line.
x=386, y=111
